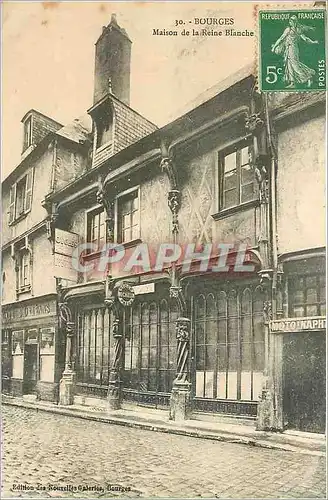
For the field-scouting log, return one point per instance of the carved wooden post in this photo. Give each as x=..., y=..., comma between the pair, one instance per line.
x=109, y=212
x=114, y=395
x=180, y=396
x=67, y=382
x=270, y=406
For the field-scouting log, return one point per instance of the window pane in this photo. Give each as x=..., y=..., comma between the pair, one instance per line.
x=126, y=222
x=230, y=180
x=298, y=296
x=230, y=162
x=245, y=155
x=247, y=175
x=210, y=357
x=230, y=198
x=298, y=311
x=311, y=281
x=200, y=357
x=246, y=357
x=135, y=232
x=247, y=193
x=135, y=203
x=312, y=310
x=126, y=235
x=135, y=219
x=311, y=295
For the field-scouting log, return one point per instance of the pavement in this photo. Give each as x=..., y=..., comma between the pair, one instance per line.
x=48, y=454
x=216, y=428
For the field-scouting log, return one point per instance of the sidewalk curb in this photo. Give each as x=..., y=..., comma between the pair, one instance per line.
x=165, y=428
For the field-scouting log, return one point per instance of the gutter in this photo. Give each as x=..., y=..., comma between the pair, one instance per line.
x=78, y=195
x=136, y=164
x=204, y=129
x=297, y=108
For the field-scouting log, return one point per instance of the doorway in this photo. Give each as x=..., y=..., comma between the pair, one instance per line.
x=30, y=368
x=304, y=362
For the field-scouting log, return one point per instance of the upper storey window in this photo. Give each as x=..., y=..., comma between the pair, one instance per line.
x=27, y=133
x=21, y=197
x=104, y=125
x=96, y=233
x=236, y=176
x=128, y=216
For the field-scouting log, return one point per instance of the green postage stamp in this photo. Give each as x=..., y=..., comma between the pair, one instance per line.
x=292, y=50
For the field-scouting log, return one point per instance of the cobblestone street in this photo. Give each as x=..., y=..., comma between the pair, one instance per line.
x=50, y=453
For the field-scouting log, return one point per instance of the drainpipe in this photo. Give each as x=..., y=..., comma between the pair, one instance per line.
x=273, y=155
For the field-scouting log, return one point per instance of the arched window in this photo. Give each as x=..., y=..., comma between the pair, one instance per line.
x=150, y=354
x=229, y=343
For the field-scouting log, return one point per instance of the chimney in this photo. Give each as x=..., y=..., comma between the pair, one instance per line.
x=112, y=63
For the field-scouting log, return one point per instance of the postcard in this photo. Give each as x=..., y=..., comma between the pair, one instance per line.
x=163, y=249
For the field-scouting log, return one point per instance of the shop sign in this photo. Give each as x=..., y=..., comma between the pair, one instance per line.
x=64, y=268
x=65, y=242
x=290, y=325
x=125, y=294
x=146, y=288
x=21, y=312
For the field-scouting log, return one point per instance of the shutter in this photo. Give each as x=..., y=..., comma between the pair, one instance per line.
x=12, y=203
x=28, y=191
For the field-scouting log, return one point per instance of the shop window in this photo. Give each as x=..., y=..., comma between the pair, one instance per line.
x=47, y=354
x=236, y=176
x=229, y=344
x=95, y=345
x=17, y=353
x=128, y=216
x=96, y=232
x=20, y=197
x=150, y=349
x=307, y=295
x=4, y=336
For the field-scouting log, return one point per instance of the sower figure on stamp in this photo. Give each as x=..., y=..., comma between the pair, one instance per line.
x=295, y=72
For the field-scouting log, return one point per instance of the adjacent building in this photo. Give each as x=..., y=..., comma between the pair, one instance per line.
x=240, y=170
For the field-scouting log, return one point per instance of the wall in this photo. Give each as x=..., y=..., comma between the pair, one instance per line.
x=43, y=281
x=9, y=285
x=41, y=186
x=301, y=186
x=155, y=214
x=70, y=163
x=199, y=181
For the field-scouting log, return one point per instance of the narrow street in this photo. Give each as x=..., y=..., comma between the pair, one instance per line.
x=45, y=455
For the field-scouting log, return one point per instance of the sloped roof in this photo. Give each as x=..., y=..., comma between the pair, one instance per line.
x=79, y=130
x=286, y=100
x=218, y=88
x=130, y=126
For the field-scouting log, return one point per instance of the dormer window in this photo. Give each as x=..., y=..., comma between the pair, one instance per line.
x=104, y=125
x=28, y=133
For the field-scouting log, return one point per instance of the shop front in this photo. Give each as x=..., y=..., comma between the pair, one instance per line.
x=227, y=346
x=301, y=335
x=304, y=372
x=149, y=348
x=30, y=329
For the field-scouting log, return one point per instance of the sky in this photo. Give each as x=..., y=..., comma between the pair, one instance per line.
x=48, y=59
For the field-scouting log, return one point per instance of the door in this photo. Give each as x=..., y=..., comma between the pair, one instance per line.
x=305, y=381
x=30, y=368
x=149, y=351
